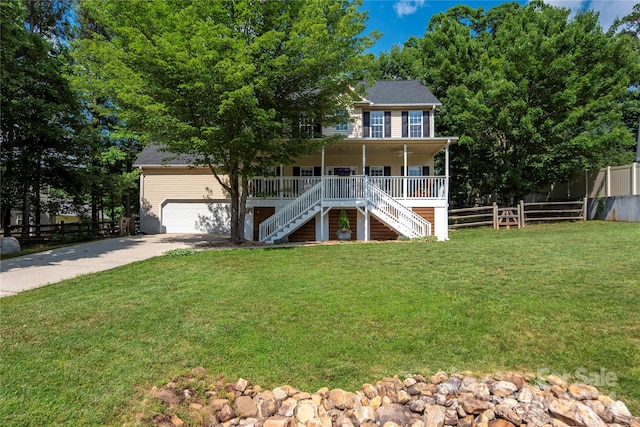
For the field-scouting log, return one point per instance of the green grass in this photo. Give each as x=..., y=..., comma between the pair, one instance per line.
x=562, y=297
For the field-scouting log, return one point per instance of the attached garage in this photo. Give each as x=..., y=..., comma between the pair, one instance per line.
x=196, y=217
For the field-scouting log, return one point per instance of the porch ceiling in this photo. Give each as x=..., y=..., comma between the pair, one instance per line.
x=387, y=147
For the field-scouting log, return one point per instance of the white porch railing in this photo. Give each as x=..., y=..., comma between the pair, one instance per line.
x=299, y=210
x=393, y=213
x=286, y=187
x=337, y=188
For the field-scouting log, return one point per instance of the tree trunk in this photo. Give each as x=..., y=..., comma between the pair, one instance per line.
x=25, y=211
x=237, y=211
x=6, y=219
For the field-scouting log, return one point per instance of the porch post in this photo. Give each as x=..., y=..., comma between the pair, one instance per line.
x=281, y=181
x=406, y=173
x=446, y=170
x=322, y=198
x=366, y=196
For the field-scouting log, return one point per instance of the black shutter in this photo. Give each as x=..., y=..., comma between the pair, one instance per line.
x=425, y=171
x=366, y=123
x=277, y=170
x=366, y=170
x=425, y=124
x=401, y=170
x=387, y=124
x=317, y=171
x=387, y=171
x=296, y=171
x=317, y=130
x=405, y=124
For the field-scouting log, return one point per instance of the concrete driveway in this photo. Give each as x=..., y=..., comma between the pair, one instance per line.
x=33, y=271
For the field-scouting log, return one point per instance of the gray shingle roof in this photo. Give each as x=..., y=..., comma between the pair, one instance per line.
x=399, y=92
x=383, y=92
x=152, y=155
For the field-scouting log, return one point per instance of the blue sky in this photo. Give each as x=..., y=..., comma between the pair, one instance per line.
x=400, y=19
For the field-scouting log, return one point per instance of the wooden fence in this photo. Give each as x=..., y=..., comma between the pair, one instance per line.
x=61, y=231
x=518, y=216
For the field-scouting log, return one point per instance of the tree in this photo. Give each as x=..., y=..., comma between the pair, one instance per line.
x=110, y=149
x=400, y=63
x=535, y=96
x=39, y=109
x=229, y=82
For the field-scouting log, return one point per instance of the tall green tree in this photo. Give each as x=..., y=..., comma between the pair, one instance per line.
x=39, y=111
x=230, y=82
x=110, y=150
x=535, y=95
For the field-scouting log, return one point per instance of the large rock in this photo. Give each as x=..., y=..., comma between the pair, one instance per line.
x=393, y=413
x=341, y=399
x=9, y=245
x=434, y=416
x=503, y=388
x=245, y=407
x=583, y=392
x=575, y=413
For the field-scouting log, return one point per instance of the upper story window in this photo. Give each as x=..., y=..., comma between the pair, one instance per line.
x=306, y=127
x=342, y=126
x=415, y=124
x=377, y=124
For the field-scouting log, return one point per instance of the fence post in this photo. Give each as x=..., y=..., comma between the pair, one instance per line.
x=62, y=229
x=584, y=208
x=521, y=214
x=608, y=179
x=634, y=179
x=495, y=215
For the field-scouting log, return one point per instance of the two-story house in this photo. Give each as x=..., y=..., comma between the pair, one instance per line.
x=381, y=173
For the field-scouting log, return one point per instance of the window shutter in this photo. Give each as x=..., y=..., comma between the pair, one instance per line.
x=425, y=171
x=317, y=171
x=317, y=130
x=401, y=170
x=277, y=170
x=405, y=124
x=366, y=123
x=425, y=124
x=366, y=170
x=296, y=171
x=387, y=171
x=387, y=124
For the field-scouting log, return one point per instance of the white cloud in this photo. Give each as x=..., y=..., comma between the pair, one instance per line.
x=609, y=9
x=407, y=7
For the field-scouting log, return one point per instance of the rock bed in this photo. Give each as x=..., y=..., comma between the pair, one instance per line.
x=505, y=400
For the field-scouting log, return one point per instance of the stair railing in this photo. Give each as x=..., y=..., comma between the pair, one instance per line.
x=405, y=220
x=290, y=213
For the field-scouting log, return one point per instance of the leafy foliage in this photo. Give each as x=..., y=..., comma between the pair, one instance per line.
x=228, y=83
x=535, y=95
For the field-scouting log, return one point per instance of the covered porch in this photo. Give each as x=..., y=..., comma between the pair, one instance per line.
x=378, y=180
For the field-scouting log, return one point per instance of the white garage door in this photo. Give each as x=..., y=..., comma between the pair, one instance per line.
x=196, y=218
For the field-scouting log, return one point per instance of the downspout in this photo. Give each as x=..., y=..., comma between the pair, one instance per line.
x=141, y=198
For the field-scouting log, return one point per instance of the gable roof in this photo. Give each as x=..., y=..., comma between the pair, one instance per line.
x=400, y=92
x=152, y=155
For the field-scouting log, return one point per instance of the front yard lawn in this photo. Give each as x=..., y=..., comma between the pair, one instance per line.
x=557, y=298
